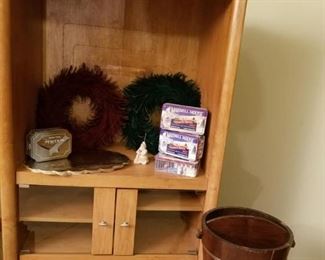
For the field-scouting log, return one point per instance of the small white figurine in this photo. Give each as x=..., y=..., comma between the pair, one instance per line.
x=142, y=155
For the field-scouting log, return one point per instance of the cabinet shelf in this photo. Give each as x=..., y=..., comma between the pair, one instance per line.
x=132, y=176
x=47, y=238
x=169, y=201
x=164, y=233
x=59, y=204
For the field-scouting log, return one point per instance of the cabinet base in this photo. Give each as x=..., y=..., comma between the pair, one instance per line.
x=106, y=257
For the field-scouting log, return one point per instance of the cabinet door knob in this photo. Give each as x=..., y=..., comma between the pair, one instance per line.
x=103, y=223
x=125, y=224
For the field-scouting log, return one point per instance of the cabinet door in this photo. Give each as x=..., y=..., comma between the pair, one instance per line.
x=125, y=220
x=103, y=221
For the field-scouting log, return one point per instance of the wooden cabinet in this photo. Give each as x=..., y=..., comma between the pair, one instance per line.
x=133, y=213
x=124, y=221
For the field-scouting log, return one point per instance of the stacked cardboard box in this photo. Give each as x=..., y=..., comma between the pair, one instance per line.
x=181, y=141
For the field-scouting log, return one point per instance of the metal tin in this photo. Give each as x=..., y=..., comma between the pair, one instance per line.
x=181, y=145
x=168, y=164
x=184, y=119
x=48, y=144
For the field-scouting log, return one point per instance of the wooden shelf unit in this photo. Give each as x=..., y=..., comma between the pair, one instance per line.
x=126, y=38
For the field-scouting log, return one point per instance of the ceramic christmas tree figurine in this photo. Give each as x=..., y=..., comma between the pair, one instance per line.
x=142, y=155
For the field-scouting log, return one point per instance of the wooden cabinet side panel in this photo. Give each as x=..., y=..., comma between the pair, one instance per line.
x=103, y=221
x=125, y=221
x=7, y=164
x=219, y=52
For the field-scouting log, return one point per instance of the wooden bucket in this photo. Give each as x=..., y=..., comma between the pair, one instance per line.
x=244, y=234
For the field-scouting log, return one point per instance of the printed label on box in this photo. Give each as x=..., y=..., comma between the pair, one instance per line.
x=181, y=145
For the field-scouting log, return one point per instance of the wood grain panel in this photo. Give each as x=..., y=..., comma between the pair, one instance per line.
x=219, y=52
x=103, y=221
x=7, y=161
x=125, y=221
x=169, y=17
x=125, y=54
x=127, y=44
x=59, y=13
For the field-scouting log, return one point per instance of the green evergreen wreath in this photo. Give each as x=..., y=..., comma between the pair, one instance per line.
x=145, y=97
